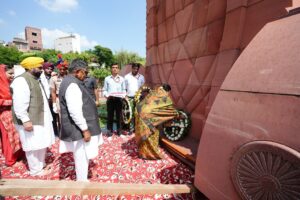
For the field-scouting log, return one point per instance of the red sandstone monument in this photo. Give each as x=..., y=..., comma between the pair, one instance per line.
x=244, y=142
x=234, y=65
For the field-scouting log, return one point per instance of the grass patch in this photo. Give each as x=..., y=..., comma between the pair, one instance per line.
x=102, y=115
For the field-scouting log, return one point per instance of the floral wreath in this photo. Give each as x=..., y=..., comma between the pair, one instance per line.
x=179, y=127
x=126, y=111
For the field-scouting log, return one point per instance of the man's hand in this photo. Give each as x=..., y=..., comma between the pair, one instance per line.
x=86, y=135
x=97, y=103
x=28, y=126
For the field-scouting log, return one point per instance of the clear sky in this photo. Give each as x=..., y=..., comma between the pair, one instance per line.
x=116, y=24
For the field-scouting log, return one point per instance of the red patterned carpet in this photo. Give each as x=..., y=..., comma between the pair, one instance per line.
x=117, y=162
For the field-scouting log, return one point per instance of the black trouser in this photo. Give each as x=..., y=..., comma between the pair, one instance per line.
x=56, y=126
x=114, y=104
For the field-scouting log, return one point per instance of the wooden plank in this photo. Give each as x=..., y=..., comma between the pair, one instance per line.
x=29, y=187
x=180, y=150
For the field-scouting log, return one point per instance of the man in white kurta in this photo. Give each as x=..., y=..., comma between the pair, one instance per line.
x=133, y=81
x=80, y=132
x=34, y=138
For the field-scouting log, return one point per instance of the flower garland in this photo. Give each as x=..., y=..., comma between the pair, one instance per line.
x=179, y=127
x=138, y=95
x=126, y=107
x=126, y=111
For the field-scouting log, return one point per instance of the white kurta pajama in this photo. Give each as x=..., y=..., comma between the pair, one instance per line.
x=35, y=142
x=83, y=151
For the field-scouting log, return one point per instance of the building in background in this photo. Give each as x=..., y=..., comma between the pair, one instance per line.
x=34, y=38
x=68, y=44
x=21, y=44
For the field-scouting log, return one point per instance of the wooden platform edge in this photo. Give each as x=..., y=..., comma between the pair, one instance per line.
x=179, y=151
x=30, y=187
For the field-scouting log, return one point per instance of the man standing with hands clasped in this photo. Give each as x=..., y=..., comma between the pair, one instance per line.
x=114, y=90
x=134, y=80
x=32, y=115
x=80, y=130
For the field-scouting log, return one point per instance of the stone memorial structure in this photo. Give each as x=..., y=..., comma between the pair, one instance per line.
x=250, y=121
x=192, y=45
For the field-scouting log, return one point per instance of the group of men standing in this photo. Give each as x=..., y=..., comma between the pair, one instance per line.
x=80, y=133
x=115, y=89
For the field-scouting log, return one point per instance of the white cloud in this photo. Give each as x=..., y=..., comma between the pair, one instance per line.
x=58, y=5
x=49, y=36
x=85, y=43
x=12, y=13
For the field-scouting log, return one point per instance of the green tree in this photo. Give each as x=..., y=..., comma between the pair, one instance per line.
x=49, y=55
x=104, y=55
x=124, y=57
x=27, y=54
x=100, y=74
x=70, y=56
x=86, y=56
x=9, y=55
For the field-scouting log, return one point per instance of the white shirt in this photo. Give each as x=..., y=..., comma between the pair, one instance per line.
x=18, y=70
x=46, y=85
x=41, y=136
x=74, y=103
x=133, y=83
x=114, y=86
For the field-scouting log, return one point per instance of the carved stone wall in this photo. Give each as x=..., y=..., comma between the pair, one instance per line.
x=250, y=145
x=192, y=45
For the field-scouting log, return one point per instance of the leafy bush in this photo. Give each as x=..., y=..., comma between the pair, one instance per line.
x=102, y=112
x=124, y=57
x=100, y=74
x=9, y=55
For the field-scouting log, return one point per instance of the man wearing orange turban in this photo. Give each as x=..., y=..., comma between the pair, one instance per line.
x=55, y=82
x=32, y=116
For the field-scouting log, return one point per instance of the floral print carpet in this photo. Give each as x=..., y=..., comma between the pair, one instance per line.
x=117, y=162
